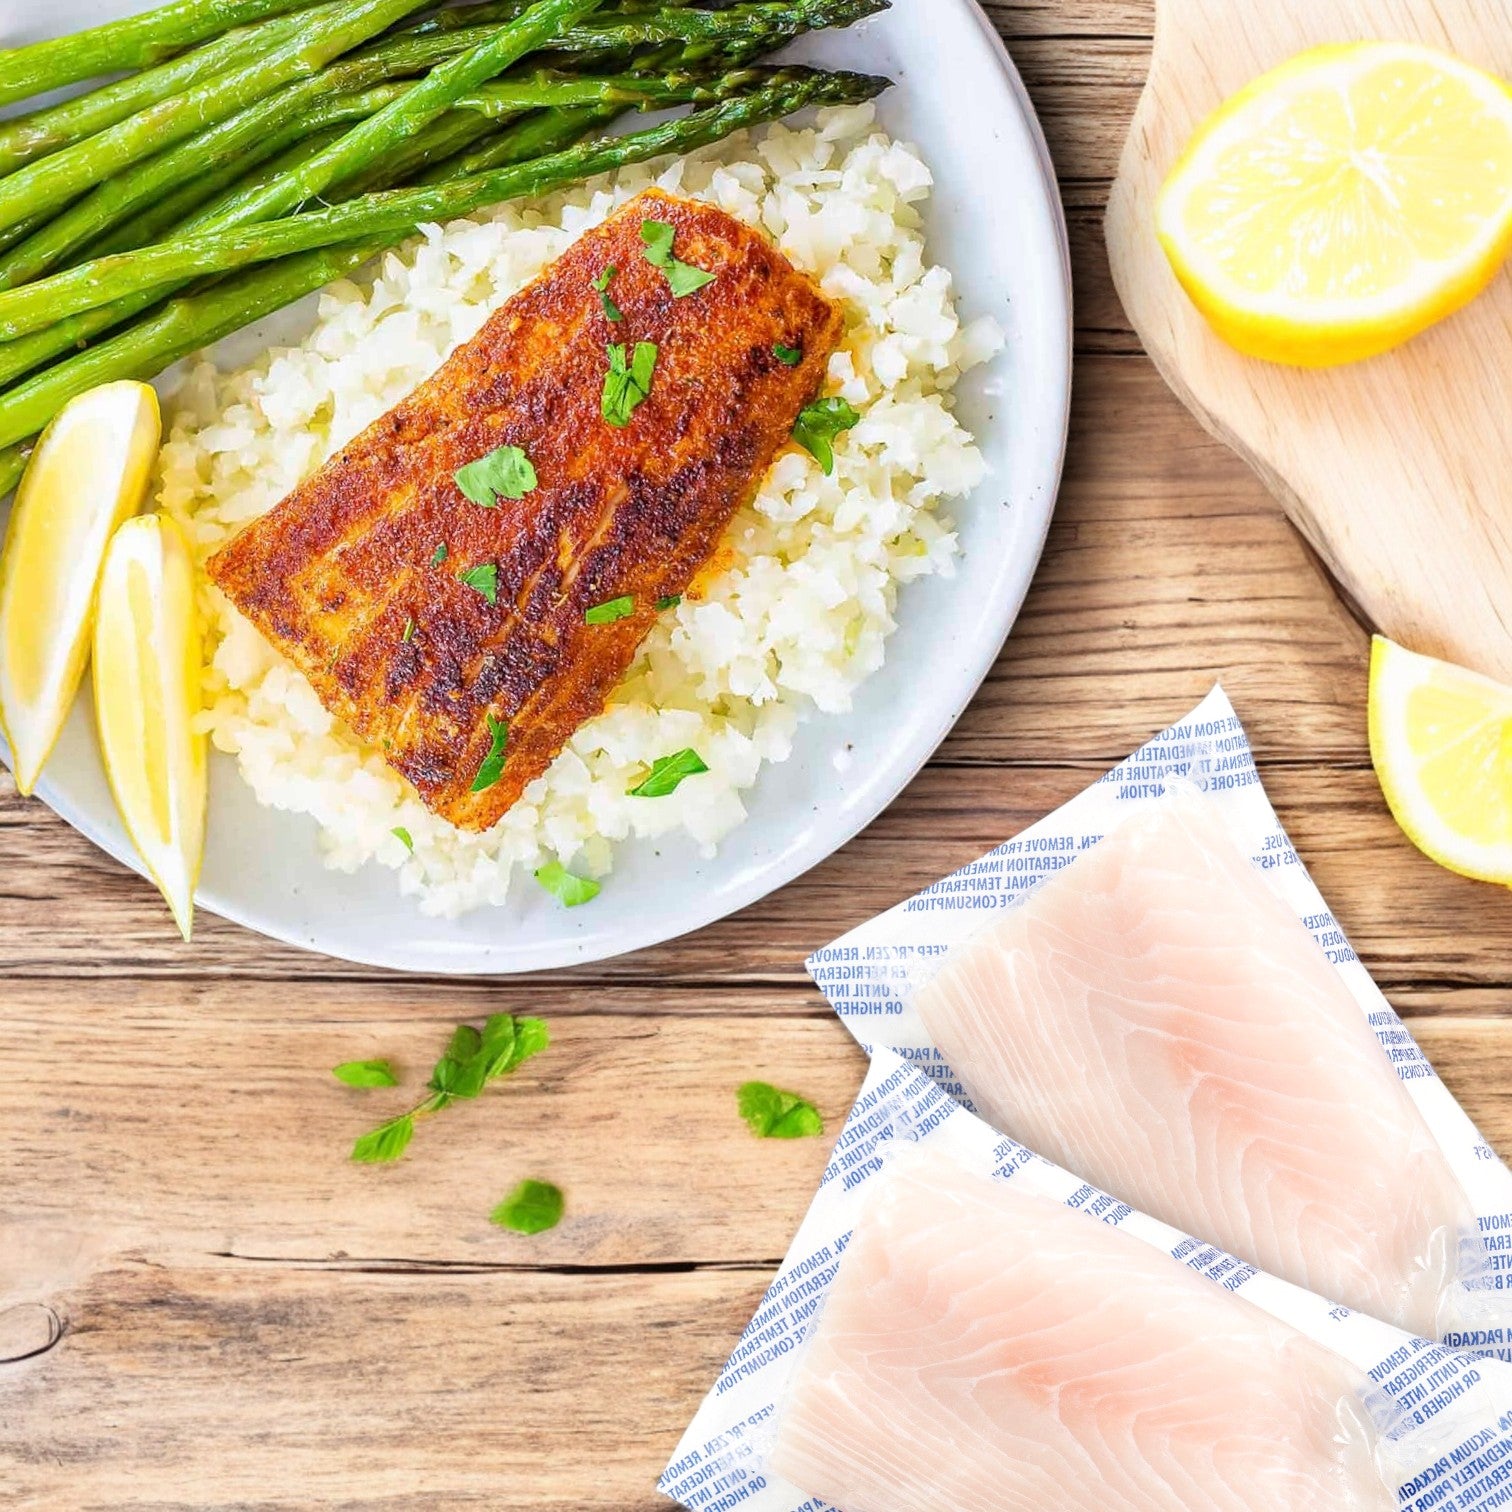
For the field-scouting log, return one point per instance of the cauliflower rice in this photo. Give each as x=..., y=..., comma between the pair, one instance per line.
x=796, y=617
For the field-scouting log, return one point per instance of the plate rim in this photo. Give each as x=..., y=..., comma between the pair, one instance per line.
x=778, y=874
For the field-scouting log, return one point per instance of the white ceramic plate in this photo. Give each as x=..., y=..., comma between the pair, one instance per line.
x=995, y=219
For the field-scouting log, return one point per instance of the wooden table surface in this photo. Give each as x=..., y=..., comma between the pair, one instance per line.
x=218, y=1311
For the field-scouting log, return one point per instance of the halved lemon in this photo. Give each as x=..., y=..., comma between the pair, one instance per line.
x=1441, y=740
x=1343, y=202
x=89, y=472
x=147, y=654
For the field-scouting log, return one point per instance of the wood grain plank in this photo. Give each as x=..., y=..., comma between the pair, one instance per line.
x=1069, y=19
x=246, y=1388
x=183, y=1132
x=169, y=1130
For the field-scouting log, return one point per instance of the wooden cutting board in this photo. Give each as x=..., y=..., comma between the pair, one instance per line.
x=1398, y=470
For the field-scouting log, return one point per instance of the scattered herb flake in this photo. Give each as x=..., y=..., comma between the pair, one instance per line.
x=773, y=1114
x=671, y=601
x=440, y=555
x=386, y=1143
x=505, y=473
x=493, y=763
x=532, y=1208
x=473, y=1059
x=366, y=1073
x=668, y=773
x=409, y=631
x=485, y=579
x=819, y=424
x=568, y=889
x=786, y=355
x=404, y=837
x=627, y=384
x=612, y=311
x=682, y=278
x=608, y=613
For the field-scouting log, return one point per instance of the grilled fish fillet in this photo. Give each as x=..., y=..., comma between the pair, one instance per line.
x=343, y=577
x=1156, y=1019
x=983, y=1349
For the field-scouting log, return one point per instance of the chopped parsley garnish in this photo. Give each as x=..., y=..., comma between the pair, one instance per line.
x=404, y=837
x=440, y=555
x=671, y=601
x=773, y=1114
x=612, y=311
x=366, y=1073
x=493, y=763
x=565, y=887
x=409, y=631
x=505, y=473
x=786, y=355
x=627, y=384
x=473, y=1060
x=608, y=613
x=484, y=578
x=819, y=424
x=532, y=1208
x=683, y=278
x=385, y=1143
x=668, y=773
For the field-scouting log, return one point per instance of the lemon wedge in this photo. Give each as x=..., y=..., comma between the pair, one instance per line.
x=1441, y=740
x=1343, y=202
x=89, y=472
x=147, y=654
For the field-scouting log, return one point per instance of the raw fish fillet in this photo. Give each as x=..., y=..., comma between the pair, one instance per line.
x=1157, y=1020
x=987, y=1350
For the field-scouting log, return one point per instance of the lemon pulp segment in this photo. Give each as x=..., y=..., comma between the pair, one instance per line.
x=1441, y=741
x=1343, y=202
x=147, y=655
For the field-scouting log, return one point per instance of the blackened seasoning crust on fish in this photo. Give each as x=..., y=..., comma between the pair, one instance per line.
x=342, y=576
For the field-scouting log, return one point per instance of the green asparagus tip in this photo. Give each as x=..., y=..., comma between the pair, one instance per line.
x=839, y=87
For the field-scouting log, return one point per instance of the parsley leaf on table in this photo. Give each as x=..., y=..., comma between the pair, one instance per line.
x=773, y=1114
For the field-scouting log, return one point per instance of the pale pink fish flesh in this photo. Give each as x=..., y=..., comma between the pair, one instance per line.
x=987, y=1350
x=1157, y=1020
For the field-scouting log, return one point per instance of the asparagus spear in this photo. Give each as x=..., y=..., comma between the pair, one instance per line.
x=29, y=352
x=476, y=116
x=759, y=25
x=261, y=123
x=199, y=166
x=132, y=42
x=430, y=98
x=240, y=301
x=399, y=211
x=56, y=179
x=776, y=20
x=628, y=91
x=201, y=198
x=44, y=131
x=196, y=320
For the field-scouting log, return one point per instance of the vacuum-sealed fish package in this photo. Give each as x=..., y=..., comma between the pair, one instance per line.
x=1147, y=987
x=962, y=1326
